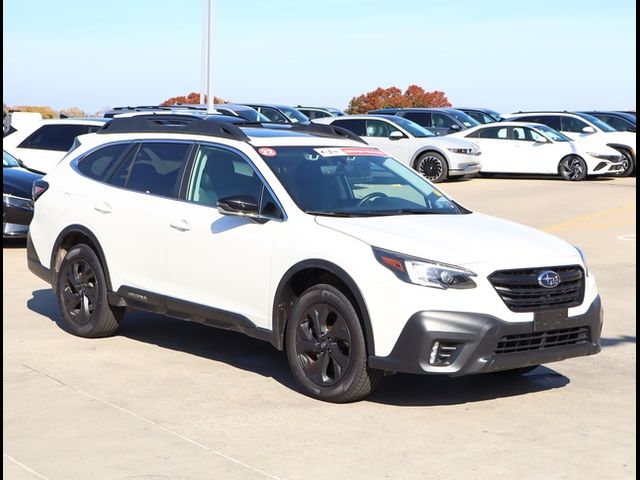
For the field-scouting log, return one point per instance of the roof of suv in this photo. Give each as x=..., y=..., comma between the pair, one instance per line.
x=179, y=125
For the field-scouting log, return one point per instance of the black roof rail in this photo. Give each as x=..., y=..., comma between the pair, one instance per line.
x=174, y=124
x=332, y=131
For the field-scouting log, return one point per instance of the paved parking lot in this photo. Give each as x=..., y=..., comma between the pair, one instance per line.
x=171, y=400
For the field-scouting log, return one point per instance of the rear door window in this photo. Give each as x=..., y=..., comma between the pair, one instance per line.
x=356, y=126
x=421, y=118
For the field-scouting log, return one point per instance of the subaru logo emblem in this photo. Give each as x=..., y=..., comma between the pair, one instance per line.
x=548, y=279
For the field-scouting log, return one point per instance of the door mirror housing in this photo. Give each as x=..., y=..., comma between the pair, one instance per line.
x=241, y=206
x=396, y=135
x=455, y=127
x=588, y=129
x=541, y=140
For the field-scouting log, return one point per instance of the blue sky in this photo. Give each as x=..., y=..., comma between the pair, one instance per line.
x=506, y=55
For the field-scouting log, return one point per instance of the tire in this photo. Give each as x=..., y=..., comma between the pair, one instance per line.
x=432, y=166
x=628, y=164
x=572, y=168
x=326, y=347
x=81, y=289
x=514, y=372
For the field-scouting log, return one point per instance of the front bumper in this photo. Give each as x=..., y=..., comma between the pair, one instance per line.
x=476, y=342
x=16, y=219
x=466, y=169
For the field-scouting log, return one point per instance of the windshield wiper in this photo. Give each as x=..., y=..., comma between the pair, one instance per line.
x=334, y=213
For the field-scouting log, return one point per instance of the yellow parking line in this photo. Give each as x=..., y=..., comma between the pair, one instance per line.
x=611, y=217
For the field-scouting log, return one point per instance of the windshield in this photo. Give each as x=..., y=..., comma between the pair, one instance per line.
x=294, y=115
x=9, y=160
x=412, y=127
x=353, y=182
x=463, y=118
x=552, y=134
x=597, y=122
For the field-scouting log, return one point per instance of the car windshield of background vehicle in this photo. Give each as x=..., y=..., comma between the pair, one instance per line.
x=597, y=122
x=353, y=182
x=294, y=115
x=553, y=134
x=413, y=128
x=465, y=119
x=9, y=160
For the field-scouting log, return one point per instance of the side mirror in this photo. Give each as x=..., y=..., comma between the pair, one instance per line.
x=588, y=129
x=541, y=140
x=396, y=135
x=455, y=127
x=241, y=206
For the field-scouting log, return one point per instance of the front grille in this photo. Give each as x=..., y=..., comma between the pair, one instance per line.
x=521, y=292
x=542, y=340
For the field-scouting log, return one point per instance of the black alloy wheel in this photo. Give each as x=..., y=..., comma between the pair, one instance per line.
x=81, y=288
x=326, y=348
x=323, y=343
x=79, y=291
x=433, y=167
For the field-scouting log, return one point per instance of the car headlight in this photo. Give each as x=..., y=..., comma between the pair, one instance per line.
x=425, y=272
x=583, y=256
x=605, y=156
x=17, y=202
x=463, y=151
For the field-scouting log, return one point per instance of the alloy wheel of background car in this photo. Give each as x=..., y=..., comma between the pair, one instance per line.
x=326, y=348
x=433, y=167
x=627, y=164
x=573, y=168
x=82, y=295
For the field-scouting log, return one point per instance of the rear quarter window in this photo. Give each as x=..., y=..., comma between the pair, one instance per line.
x=97, y=164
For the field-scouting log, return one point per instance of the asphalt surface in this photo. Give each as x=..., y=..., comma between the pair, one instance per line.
x=166, y=399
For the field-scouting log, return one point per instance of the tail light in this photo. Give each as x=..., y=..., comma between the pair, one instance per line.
x=38, y=188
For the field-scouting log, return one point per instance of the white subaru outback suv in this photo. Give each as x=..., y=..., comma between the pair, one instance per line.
x=309, y=239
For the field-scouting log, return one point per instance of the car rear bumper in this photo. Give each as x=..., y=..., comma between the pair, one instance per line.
x=476, y=343
x=34, y=263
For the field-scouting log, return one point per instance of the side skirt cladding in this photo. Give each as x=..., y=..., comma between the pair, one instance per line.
x=191, y=312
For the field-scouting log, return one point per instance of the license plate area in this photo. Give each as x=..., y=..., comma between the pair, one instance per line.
x=549, y=320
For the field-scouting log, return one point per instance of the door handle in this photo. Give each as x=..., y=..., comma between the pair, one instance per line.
x=102, y=207
x=181, y=225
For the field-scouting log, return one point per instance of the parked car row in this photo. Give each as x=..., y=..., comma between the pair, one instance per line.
x=309, y=238
x=42, y=144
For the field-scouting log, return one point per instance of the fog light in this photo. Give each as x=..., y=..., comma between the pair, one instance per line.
x=443, y=353
x=434, y=353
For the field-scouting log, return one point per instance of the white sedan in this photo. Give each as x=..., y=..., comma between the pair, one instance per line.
x=519, y=147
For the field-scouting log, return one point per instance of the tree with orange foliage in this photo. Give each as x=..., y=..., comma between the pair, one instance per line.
x=192, y=98
x=416, y=96
x=392, y=97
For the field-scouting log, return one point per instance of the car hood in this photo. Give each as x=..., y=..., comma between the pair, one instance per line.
x=18, y=181
x=463, y=239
